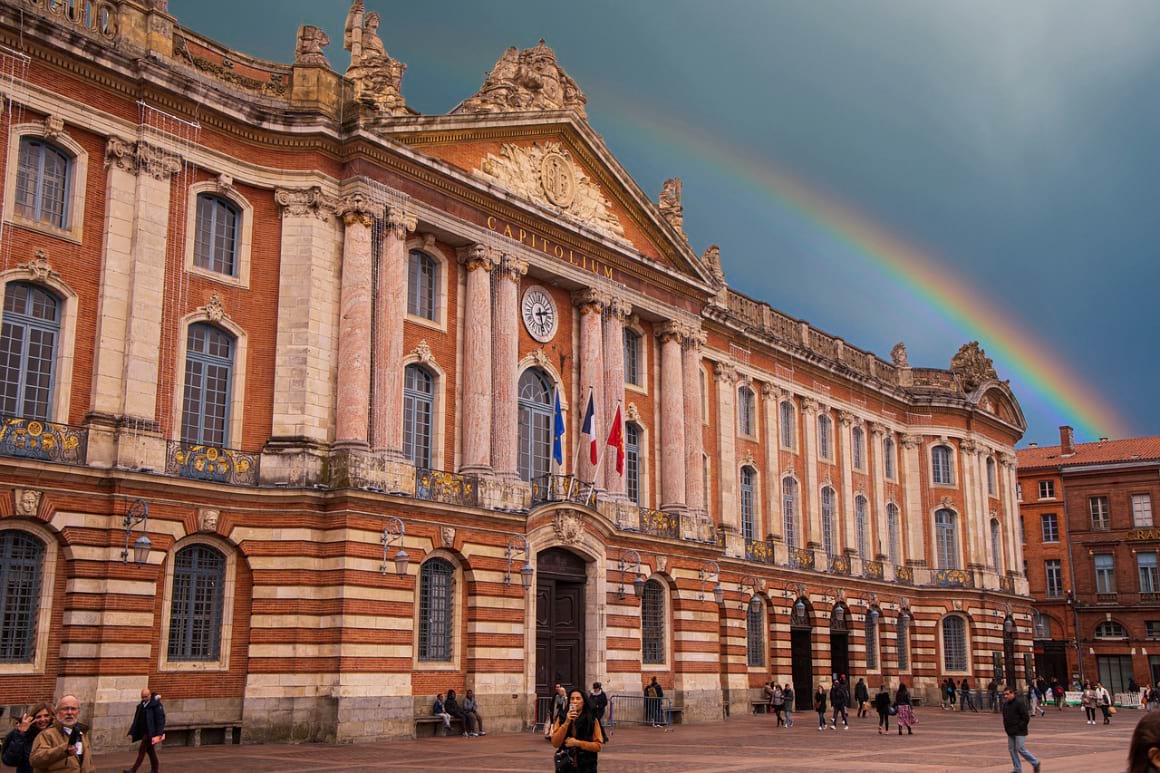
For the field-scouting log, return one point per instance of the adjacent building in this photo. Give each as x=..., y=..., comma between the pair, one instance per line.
x=294, y=384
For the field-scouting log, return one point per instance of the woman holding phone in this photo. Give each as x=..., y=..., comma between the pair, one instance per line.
x=577, y=738
x=18, y=744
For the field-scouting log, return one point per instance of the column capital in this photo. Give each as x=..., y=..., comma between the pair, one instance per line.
x=512, y=268
x=724, y=373
x=477, y=256
x=358, y=208
x=305, y=202
x=911, y=441
x=589, y=300
x=878, y=430
x=1007, y=459
x=141, y=156
x=620, y=309
x=810, y=406
x=969, y=447
x=671, y=331
x=771, y=391
x=846, y=418
x=400, y=222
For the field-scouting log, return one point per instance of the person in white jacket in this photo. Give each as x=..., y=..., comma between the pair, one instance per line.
x=1104, y=700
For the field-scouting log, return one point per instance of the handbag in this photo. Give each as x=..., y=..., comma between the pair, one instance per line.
x=893, y=711
x=565, y=760
x=1111, y=709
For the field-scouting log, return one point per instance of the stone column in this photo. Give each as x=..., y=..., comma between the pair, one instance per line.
x=845, y=442
x=477, y=360
x=694, y=422
x=811, y=503
x=505, y=358
x=985, y=510
x=354, y=324
x=725, y=376
x=1007, y=481
x=618, y=311
x=972, y=531
x=878, y=471
x=913, y=516
x=672, y=439
x=390, y=311
x=590, y=305
x=770, y=399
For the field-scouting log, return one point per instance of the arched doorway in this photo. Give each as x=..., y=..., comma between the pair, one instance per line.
x=840, y=641
x=560, y=580
x=802, y=652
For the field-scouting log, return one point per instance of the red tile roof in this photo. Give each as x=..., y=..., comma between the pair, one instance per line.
x=1103, y=452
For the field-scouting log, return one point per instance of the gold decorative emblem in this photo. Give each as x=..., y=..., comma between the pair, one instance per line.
x=558, y=180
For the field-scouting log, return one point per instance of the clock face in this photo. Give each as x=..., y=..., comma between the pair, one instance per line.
x=539, y=313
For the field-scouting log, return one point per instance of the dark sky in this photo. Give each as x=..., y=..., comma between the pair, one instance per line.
x=1014, y=147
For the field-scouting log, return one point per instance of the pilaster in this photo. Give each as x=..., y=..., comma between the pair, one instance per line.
x=695, y=493
x=616, y=313
x=878, y=471
x=477, y=362
x=914, y=517
x=590, y=307
x=725, y=376
x=505, y=367
x=672, y=440
x=811, y=505
x=390, y=311
x=770, y=397
x=849, y=531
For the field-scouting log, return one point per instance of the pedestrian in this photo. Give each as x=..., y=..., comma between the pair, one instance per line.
x=778, y=702
x=1132, y=686
x=599, y=700
x=1104, y=700
x=1144, y=751
x=66, y=744
x=993, y=695
x=471, y=713
x=578, y=738
x=1088, y=700
x=882, y=705
x=904, y=708
x=861, y=697
x=820, y=706
x=18, y=744
x=1033, y=697
x=1154, y=697
x=558, y=707
x=440, y=711
x=1016, y=716
x=951, y=693
x=839, y=699
x=966, y=701
x=147, y=729
x=1057, y=694
x=767, y=696
x=787, y=704
x=452, y=707
x=653, y=694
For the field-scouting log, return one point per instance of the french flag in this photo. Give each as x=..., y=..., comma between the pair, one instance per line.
x=589, y=427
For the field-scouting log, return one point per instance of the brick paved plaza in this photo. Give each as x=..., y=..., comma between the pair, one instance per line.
x=943, y=742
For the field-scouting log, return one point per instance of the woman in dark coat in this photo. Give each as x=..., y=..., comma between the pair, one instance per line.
x=148, y=728
x=820, y=706
x=882, y=705
x=18, y=744
x=579, y=734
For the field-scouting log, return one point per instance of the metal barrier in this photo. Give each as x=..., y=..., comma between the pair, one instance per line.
x=639, y=710
x=543, y=715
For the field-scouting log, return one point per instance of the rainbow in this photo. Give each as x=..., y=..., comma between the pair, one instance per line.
x=949, y=294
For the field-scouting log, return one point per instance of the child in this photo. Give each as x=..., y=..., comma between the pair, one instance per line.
x=441, y=713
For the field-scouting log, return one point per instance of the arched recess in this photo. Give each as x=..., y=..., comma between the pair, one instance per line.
x=237, y=388
x=52, y=585
x=996, y=398
x=802, y=646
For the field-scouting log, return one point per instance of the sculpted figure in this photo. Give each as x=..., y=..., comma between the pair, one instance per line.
x=898, y=355
x=311, y=41
x=378, y=78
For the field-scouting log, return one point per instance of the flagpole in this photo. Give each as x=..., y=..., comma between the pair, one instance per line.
x=579, y=434
x=600, y=452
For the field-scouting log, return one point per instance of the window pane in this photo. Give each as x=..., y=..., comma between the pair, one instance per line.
x=747, y=525
x=787, y=424
x=28, y=341
x=1053, y=569
x=21, y=563
x=888, y=457
x=946, y=539
x=436, y=602
x=1101, y=519
x=941, y=459
x=422, y=283
x=418, y=409
x=1050, y=523
x=1105, y=573
x=789, y=508
x=892, y=530
x=1141, y=510
x=535, y=425
x=652, y=616
x=208, y=377
x=632, y=357
x=856, y=439
x=828, y=521
x=860, y=528
x=1146, y=564
x=871, y=645
x=755, y=633
x=954, y=644
x=632, y=462
x=196, y=609
x=216, y=235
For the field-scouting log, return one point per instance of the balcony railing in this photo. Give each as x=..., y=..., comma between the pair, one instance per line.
x=904, y=574
x=213, y=463
x=1106, y=598
x=873, y=569
x=840, y=565
x=1147, y=595
x=1006, y=584
x=953, y=578
x=46, y=441
x=800, y=558
x=658, y=523
x=561, y=488
x=759, y=550
x=447, y=487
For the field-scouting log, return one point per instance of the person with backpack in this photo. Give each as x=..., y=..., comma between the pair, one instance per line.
x=861, y=697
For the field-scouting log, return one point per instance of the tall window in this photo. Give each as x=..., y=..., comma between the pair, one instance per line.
x=422, y=284
x=42, y=183
x=418, y=410
x=1146, y=566
x=215, y=244
x=954, y=630
x=755, y=632
x=632, y=374
x=209, y=365
x=1047, y=489
x=195, y=618
x=828, y=521
x=992, y=478
x=789, y=510
x=1053, y=571
x=1041, y=625
x=858, y=446
x=946, y=539
x=788, y=422
x=904, y=642
x=1101, y=517
x=996, y=546
x=1105, y=573
x=892, y=533
x=632, y=462
x=747, y=520
x=705, y=481
x=28, y=340
x=746, y=411
x=888, y=457
x=436, y=609
x=21, y=564
x=871, y=643
x=860, y=531
x=652, y=622
x=825, y=441
x=535, y=436
x=1050, y=527
x=1141, y=509
x=940, y=457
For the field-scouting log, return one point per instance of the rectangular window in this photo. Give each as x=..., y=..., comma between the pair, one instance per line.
x=1050, y=524
x=1105, y=573
x=1019, y=491
x=1142, y=509
x=1146, y=565
x=632, y=358
x=1101, y=517
x=888, y=457
x=1053, y=568
x=1047, y=489
x=1022, y=530
x=788, y=416
x=1152, y=629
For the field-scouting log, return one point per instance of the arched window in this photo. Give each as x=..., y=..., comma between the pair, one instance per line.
x=535, y=436
x=747, y=519
x=825, y=439
x=872, y=640
x=28, y=344
x=904, y=640
x=209, y=365
x=755, y=632
x=946, y=539
x=858, y=446
x=418, y=412
x=789, y=510
x=215, y=244
x=195, y=618
x=42, y=183
x=21, y=565
x=436, y=609
x=788, y=424
x=1110, y=629
x=888, y=457
x=992, y=480
x=652, y=623
x=422, y=284
x=860, y=528
x=632, y=369
x=892, y=534
x=954, y=632
x=828, y=542
x=746, y=411
x=943, y=472
x=708, y=492
x=1041, y=624
x=996, y=546
x=632, y=461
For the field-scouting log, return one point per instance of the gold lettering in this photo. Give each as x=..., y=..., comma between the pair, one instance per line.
x=544, y=245
x=491, y=222
x=507, y=231
x=523, y=235
x=559, y=251
x=608, y=272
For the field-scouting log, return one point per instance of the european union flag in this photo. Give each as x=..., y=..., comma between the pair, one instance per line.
x=558, y=432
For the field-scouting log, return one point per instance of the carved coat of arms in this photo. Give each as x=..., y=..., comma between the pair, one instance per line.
x=973, y=367
x=569, y=525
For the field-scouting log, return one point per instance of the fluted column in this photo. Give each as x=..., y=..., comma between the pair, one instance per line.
x=477, y=361
x=725, y=376
x=849, y=535
x=878, y=471
x=590, y=305
x=618, y=311
x=985, y=509
x=390, y=310
x=914, y=517
x=354, y=323
x=1014, y=547
x=694, y=421
x=505, y=358
x=672, y=441
x=770, y=397
x=810, y=494
x=972, y=523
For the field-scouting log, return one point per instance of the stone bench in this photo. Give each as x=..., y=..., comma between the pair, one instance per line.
x=203, y=733
x=675, y=713
x=436, y=725
x=760, y=707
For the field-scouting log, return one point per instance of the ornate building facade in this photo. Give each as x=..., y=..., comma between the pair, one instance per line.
x=284, y=367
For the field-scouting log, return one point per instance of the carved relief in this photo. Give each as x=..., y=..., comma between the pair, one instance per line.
x=972, y=366
x=311, y=41
x=422, y=351
x=378, y=78
x=910, y=441
x=134, y=157
x=662, y=563
x=28, y=501
x=633, y=413
x=748, y=460
x=898, y=355
x=968, y=446
x=357, y=208
x=524, y=81
x=39, y=267
x=712, y=260
x=447, y=536
x=400, y=222
x=53, y=126
x=207, y=519
x=569, y=525
x=545, y=174
x=541, y=359
x=305, y=202
x=670, y=205
x=214, y=310
x=724, y=373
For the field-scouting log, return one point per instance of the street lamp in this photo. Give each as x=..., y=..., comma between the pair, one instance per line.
x=749, y=581
x=517, y=547
x=393, y=533
x=629, y=559
x=138, y=513
x=711, y=570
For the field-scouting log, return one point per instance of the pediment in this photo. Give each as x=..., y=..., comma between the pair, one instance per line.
x=996, y=398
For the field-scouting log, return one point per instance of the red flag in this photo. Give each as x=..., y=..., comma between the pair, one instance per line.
x=616, y=440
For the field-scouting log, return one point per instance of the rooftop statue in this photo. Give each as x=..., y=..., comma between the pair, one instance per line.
x=378, y=79
x=526, y=80
x=311, y=41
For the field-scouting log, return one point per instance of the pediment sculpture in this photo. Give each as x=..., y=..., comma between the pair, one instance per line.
x=972, y=366
x=377, y=77
x=526, y=80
